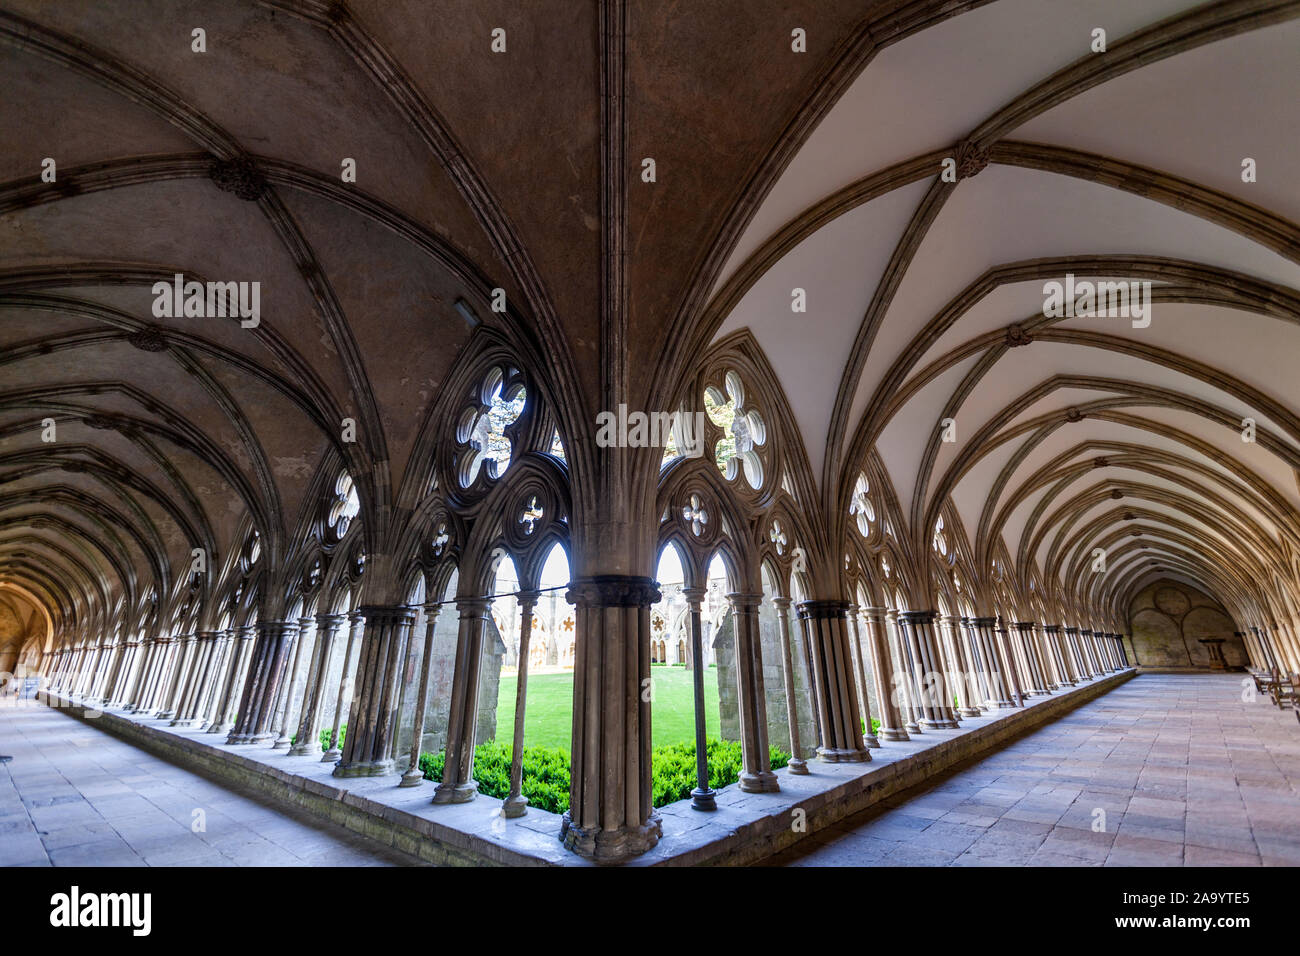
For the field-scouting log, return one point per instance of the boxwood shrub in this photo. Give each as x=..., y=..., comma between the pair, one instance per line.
x=546, y=771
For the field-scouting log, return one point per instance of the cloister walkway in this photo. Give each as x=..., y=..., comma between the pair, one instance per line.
x=1184, y=770
x=76, y=796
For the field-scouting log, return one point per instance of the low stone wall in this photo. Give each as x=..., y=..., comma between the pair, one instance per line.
x=746, y=827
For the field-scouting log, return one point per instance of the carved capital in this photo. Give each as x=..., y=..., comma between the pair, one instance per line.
x=614, y=590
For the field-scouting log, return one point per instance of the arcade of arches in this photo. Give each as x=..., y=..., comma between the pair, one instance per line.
x=315, y=314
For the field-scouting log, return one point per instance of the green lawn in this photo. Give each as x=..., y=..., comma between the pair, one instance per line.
x=549, y=720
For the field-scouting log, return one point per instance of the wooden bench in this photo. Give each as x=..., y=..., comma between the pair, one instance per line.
x=1286, y=692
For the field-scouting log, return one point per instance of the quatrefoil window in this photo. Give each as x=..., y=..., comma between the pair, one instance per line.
x=532, y=514
x=696, y=514
x=776, y=534
x=440, y=539
x=861, y=507
x=744, y=432
x=482, y=428
x=344, y=506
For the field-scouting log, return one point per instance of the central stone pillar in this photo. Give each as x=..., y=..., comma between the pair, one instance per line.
x=266, y=670
x=610, y=816
x=825, y=625
x=367, y=748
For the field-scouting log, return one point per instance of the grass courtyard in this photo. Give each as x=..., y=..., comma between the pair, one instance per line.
x=548, y=721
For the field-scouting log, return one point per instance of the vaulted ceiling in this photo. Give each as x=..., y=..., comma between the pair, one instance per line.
x=478, y=170
x=925, y=298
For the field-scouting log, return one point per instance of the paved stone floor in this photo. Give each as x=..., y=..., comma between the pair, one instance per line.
x=76, y=796
x=1184, y=770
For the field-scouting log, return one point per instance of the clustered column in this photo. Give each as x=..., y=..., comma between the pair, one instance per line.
x=825, y=626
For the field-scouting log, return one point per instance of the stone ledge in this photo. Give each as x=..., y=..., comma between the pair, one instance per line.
x=746, y=827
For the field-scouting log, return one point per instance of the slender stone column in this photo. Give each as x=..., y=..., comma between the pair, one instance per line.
x=150, y=652
x=189, y=679
x=983, y=667
x=108, y=675
x=1072, y=644
x=119, y=694
x=797, y=764
x=414, y=776
x=284, y=707
x=368, y=747
x=458, y=784
x=180, y=659
x=967, y=687
x=1087, y=652
x=1270, y=656
x=919, y=628
x=825, y=625
x=756, y=774
x=907, y=680
x=346, y=683
x=1016, y=647
x=308, y=735
x=869, y=738
x=610, y=814
x=266, y=674
x=703, y=797
x=240, y=651
x=1253, y=650
x=1055, y=648
x=200, y=677
x=1011, y=667
x=210, y=710
x=515, y=803
x=1037, y=670
x=891, y=722
x=994, y=670
x=1043, y=646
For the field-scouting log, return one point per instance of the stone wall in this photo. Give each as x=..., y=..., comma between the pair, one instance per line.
x=769, y=632
x=1167, y=620
x=724, y=653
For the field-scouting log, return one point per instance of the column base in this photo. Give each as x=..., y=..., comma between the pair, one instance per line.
x=459, y=793
x=797, y=766
x=870, y=741
x=309, y=749
x=281, y=743
x=706, y=799
x=940, y=724
x=762, y=782
x=912, y=727
x=164, y=715
x=836, y=755
x=373, y=768
x=412, y=778
x=893, y=733
x=333, y=755
x=514, y=807
x=219, y=728
x=971, y=712
x=248, y=738
x=610, y=846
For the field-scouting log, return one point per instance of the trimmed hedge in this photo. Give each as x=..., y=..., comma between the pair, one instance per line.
x=546, y=771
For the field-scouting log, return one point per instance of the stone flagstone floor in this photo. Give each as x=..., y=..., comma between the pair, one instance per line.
x=1185, y=771
x=76, y=796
